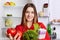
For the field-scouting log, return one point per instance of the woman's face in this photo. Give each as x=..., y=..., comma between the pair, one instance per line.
x=29, y=14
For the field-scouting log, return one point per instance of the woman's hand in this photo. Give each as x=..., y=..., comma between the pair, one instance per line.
x=9, y=36
x=17, y=37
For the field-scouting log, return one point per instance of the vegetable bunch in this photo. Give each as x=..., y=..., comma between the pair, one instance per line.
x=31, y=34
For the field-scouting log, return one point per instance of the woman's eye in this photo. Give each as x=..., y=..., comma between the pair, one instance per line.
x=32, y=12
x=27, y=11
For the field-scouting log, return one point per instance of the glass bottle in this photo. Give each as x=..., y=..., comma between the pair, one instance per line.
x=45, y=9
x=8, y=20
x=49, y=29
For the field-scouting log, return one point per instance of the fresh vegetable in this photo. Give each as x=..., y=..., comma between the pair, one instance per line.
x=12, y=31
x=36, y=27
x=31, y=34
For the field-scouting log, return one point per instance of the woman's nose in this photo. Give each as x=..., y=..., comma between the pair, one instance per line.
x=30, y=13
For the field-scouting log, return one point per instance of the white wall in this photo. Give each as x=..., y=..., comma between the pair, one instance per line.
x=1, y=8
x=54, y=7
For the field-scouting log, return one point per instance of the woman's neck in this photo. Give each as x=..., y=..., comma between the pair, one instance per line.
x=29, y=24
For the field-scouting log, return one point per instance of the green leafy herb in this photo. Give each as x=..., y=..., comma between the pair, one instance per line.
x=31, y=34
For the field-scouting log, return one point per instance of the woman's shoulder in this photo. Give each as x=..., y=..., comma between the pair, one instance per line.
x=41, y=25
x=19, y=27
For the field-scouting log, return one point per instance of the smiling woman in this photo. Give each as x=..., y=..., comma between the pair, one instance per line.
x=29, y=18
x=29, y=14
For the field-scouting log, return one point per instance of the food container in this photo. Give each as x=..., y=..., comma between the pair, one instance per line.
x=8, y=20
x=42, y=33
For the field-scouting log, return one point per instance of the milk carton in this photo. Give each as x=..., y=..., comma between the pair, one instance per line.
x=42, y=33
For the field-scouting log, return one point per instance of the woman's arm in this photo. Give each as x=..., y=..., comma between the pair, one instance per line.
x=19, y=30
x=41, y=25
x=47, y=36
x=9, y=36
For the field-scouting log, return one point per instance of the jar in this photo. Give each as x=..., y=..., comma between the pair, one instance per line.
x=41, y=13
x=45, y=9
x=8, y=20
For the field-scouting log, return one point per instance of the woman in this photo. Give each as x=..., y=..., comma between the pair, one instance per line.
x=29, y=17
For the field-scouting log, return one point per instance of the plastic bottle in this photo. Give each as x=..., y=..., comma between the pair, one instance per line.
x=49, y=29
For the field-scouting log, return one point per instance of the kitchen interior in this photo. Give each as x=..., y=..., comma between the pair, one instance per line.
x=48, y=13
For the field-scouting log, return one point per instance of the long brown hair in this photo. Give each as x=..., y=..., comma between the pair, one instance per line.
x=35, y=20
